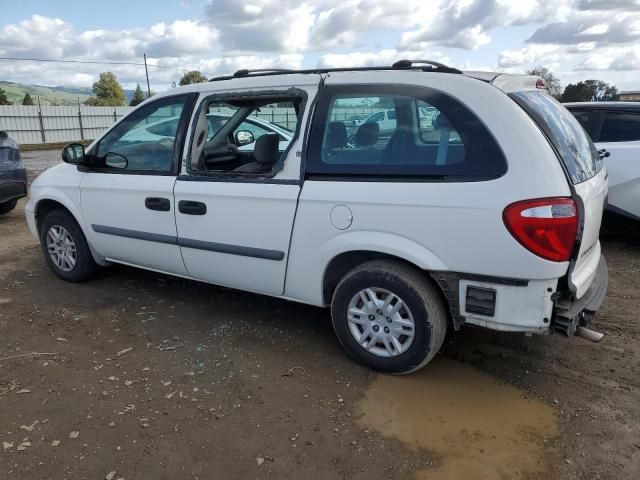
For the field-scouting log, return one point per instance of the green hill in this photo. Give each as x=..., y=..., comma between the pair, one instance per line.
x=48, y=95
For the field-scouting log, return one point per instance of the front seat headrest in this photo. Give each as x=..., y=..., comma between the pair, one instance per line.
x=266, y=151
x=337, y=135
x=368, y=134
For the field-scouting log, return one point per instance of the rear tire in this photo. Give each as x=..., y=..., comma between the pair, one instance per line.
x=364, y=323
x=6, y=207
x=65, y=247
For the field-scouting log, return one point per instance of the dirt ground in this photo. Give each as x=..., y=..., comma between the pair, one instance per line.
x=137, y=375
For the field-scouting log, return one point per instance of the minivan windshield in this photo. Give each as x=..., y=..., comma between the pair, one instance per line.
x=575, y=148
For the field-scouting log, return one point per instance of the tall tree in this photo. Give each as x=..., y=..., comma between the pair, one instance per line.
x=589, y=91
x=3, y=98
x=107, y=91
x=138, y=96
x=193, y=76
x=27, y=100
x=551, y=82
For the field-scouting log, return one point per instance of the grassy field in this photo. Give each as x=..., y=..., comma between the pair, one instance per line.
x=15, y=92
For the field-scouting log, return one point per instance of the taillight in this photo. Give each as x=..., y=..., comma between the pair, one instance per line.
x=547, y=227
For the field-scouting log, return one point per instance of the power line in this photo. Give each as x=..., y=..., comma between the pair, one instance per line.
x=93, y=62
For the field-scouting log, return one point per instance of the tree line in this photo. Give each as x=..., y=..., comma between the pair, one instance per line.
x=585, y=91
x=107, y=91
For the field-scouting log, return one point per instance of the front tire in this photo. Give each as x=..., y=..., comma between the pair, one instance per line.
x=388, y=316
x=65, y=247
x=6, y=207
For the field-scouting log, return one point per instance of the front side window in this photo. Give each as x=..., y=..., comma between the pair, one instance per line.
x=620, y=127
x=245, y=135
x=427, y=133
x=144, y=141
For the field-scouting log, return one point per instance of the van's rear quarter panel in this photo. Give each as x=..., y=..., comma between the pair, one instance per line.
x=455, y=226
x=437, y=226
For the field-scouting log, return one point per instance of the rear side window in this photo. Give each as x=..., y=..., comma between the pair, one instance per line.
x=426, y=134
x=575, y=148
x=620, y=127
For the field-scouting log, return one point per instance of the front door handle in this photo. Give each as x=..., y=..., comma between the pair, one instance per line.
x=189, y=207
x=156, y=203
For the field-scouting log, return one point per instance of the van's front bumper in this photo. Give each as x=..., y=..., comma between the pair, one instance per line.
x=570, y=313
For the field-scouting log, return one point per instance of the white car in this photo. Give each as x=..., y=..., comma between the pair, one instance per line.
x=490, y=216
x=386, y=119
x=615, y=127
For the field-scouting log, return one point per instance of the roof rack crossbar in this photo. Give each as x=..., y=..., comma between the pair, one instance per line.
x=246, y=72
x=418, y=65
x=436, y=65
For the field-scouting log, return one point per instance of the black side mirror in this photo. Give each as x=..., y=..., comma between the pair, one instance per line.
x=244, y=137
x=73, y=154
x=604, y=153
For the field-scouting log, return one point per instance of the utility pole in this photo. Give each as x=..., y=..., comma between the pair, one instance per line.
x=146, y=70
x=44, y=138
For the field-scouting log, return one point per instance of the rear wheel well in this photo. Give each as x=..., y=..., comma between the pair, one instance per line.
x=46, y=206
x=340, y=265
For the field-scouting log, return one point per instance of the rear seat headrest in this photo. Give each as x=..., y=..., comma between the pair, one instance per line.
x=337, y=135
x=368, y=134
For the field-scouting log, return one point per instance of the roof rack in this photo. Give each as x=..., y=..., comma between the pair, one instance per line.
x=418, y=65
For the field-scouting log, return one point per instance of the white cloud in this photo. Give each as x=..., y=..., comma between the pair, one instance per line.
x=341, y=25
x=593, y=26
x=466, y=23
x=262, y=25
x=612, y=60
x=381, y=57
x=54, y=38
x=531, y=56
x=598, y=29
x=39, y=35
x=626, y=5
x=571, y=37
x=595, y=61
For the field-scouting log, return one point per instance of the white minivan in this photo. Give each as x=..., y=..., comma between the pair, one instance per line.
x=487, y=215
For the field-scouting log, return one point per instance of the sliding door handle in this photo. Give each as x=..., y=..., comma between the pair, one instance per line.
x=156, y=203
x=189, y=207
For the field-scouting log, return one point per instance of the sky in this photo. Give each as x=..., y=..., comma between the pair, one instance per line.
x=575, y=39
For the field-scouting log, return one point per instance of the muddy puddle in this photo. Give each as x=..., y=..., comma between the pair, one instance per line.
x=477, y=427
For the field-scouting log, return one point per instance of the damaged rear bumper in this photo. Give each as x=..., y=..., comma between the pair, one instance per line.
x=569, y=312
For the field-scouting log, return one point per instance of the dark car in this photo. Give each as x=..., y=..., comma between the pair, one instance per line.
x=615, y=128
x=13, y=176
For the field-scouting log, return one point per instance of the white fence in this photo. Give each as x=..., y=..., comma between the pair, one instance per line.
x=53, y=124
